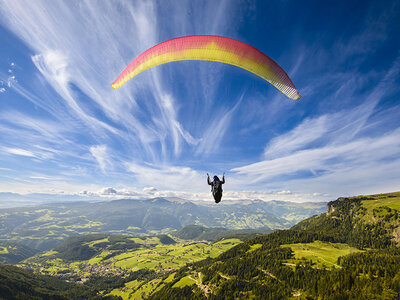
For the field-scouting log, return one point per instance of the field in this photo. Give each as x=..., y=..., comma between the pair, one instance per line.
x=165, y=259
x=391, y=200
x=321, y=254
x=170, y=257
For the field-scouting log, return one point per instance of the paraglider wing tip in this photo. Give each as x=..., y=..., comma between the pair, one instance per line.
x=114, y=86
x=298, y=97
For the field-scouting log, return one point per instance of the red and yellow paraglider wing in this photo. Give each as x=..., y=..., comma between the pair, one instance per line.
x=211, y=48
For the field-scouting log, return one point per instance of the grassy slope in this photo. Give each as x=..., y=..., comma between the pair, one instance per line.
x=170, y=256
x=321, y=254
x=391, y=200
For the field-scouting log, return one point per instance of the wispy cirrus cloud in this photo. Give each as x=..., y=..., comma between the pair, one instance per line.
x=20, y=152
x=215, y=131
x=102, y=156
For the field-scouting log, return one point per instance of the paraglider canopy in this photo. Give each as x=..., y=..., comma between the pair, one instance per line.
x=211, y=48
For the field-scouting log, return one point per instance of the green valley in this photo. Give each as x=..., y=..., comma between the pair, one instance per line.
x=350, y=250
x=82, y=258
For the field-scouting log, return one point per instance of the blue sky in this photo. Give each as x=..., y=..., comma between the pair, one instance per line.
x=64, y=130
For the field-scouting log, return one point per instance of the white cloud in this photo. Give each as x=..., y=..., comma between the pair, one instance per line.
x=100, y=153
x=109, y=191
x=285, y=193
x=215, y=131
x=205, y=195
x=7, y=81
x=331, y=166
x=53, y=65
x=46, y=128
x=20, y=152
x=300, y=137
x=149, y=189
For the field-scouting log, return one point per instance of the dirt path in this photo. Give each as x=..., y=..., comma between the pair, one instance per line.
x=224, y=276
x=205, y=288
x=269, y=274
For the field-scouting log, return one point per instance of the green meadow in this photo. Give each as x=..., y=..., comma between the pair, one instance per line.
x=320, y=254
x=170, y=257
x=391, y=200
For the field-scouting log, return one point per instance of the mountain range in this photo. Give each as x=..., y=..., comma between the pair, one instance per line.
x=45, y=226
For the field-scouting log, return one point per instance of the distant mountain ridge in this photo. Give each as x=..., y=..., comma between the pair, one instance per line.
x=45, y=226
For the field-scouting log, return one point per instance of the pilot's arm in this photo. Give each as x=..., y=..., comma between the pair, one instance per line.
x=208, y=180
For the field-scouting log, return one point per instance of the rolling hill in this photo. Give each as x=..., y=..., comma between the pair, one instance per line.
x=12, y=253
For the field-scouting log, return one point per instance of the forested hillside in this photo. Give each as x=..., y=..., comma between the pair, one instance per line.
x=365, y=221
x=17, y=283
x=199, y=233
x=12, y=253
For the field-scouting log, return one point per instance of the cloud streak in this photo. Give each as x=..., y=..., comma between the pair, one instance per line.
x=100, y=153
